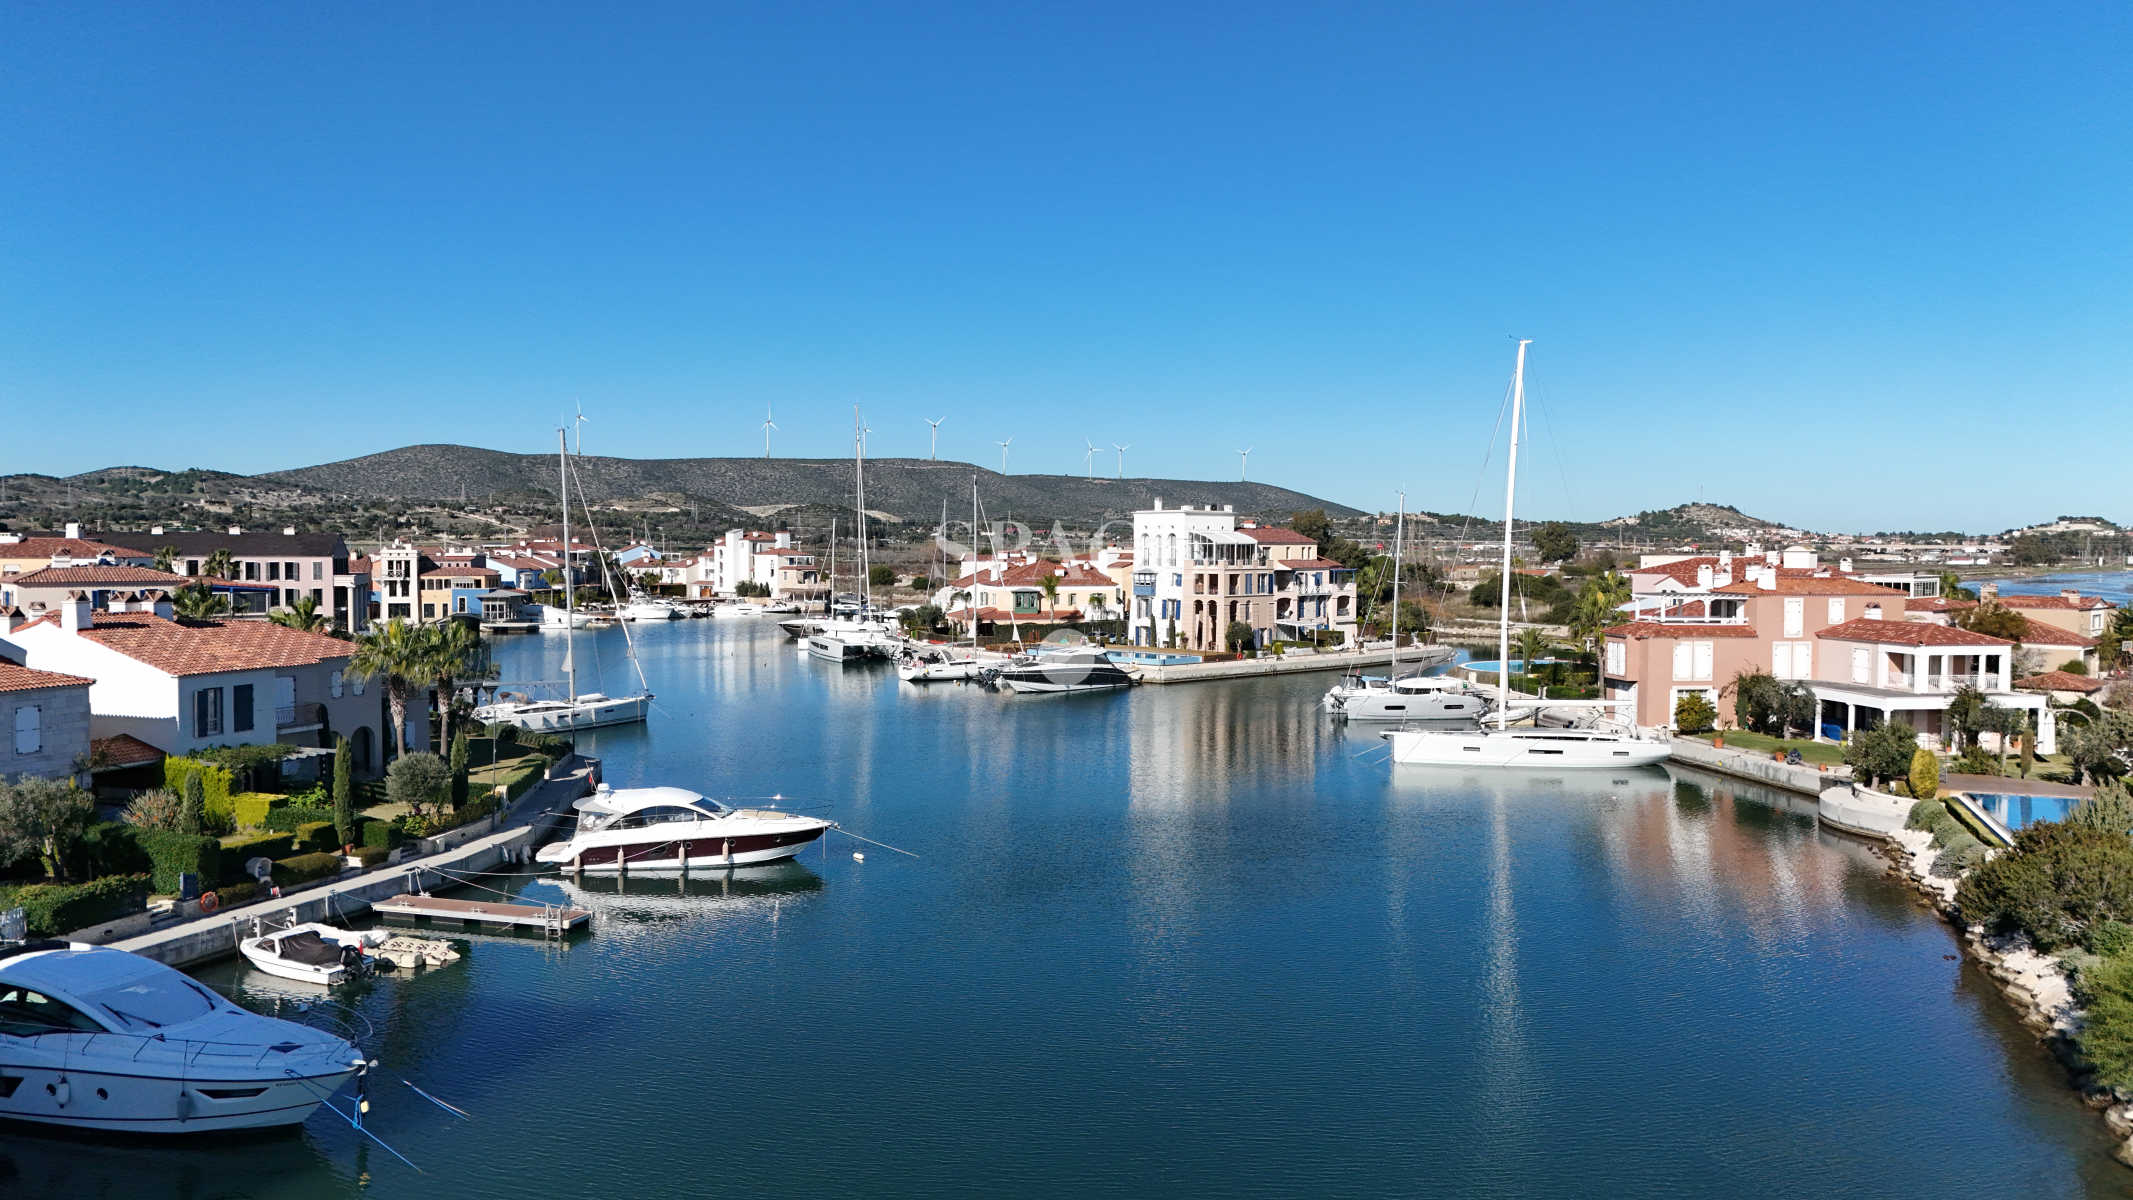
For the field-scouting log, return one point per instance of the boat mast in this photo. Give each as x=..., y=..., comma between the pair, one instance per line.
x=1399, y=534
x=570, y=659
x=829, y=606
x=1510, y=489
x=859, y=473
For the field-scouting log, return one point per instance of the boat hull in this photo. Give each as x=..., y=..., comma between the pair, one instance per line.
x=543, y=719
x=694, y=853
x=1546, y=750
x=1381, y=706
x=832, y=649
x=144, y=1104
x=1040, y=685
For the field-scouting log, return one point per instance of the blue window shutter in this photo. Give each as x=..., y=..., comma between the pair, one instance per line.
x=241, y=700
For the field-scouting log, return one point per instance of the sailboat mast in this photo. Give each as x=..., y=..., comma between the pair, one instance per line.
x=1510, y=489
x=1399, y=551
x=859, y=472
x=570, y=658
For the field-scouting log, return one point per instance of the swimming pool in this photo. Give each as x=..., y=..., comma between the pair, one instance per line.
x=2015, y=810
x=1518, y=665
x=1153, y=658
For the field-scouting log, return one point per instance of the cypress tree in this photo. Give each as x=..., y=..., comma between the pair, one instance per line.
x=460, y=752
x=192, y=813
x=344, y=819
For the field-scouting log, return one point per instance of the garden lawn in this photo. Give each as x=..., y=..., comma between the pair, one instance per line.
x=1814, y=752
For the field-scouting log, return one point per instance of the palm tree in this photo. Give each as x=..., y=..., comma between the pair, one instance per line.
x=1050, y=584
x=220, y=565
x=167, y=559
x=303, y=616
x=400, y=653
x=194, y=602
x=1530, y=644
x=455, y=651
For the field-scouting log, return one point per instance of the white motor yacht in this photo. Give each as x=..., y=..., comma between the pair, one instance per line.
x=311, y=952
x=1070, y=669
x=1409, y=698
x=943, y=664
x=670, y=828
x=801, y=628
x=556, y=617
x=741, y=609
x=852, y=641
x=96, y=1038
x=589, y=711
x=648, y=608
x=1553, y=748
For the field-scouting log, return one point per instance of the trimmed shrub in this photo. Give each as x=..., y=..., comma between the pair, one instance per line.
x=1693, y=713
x=2110, y=938
x=292, y=818
x=173, y=854
x=256, y=808
x=239, y=849
x=1925, y=773
x=2057, y=883
x=304, y=868
x=1960, y=854
x=63, y=908
x=1925, y=814
x=215, y=784
x=232, y=894
x=382, y=834
x=1947, y=829
x=371, y=856
x=318, y=837
x=114, y=848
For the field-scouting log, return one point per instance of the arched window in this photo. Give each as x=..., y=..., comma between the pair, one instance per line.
x=359, y=749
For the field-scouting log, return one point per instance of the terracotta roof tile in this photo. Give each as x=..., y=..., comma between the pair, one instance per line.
x=2076, y=604
x=23, y=679
x=1807, y=584
x=2041, y=634
x=78, y=576
x=204, y=647
x=1277, y=537
x=1908, y=633
x=124, y=750
x=2061, y=681
x=1655, y=629
x=1937, y=604
x=39, y=547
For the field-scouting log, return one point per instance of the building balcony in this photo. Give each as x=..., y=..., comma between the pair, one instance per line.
x=299, y=718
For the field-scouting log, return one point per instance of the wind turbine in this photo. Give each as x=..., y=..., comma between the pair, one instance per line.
x=768, y=425
x=1122, y=457
x=1003, y=453
x=1244, y=459
x=1092, y=459
x=935, y=453
x=582, y=419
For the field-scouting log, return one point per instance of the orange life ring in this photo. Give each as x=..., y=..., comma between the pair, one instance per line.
x=208, y=902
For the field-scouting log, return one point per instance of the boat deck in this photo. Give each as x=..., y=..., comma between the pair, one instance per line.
x=478, y=912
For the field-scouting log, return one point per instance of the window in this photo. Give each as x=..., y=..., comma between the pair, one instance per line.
x=1795, y=616
x=251, y=572
x=289, y=570
x=241, y=708
x=1862, y=665
x=29, y=729
x=1792, y=660
x=1873, y=612
x=1617, y=657
x=192, y=566
x=284, y=700
x=333, y=685
x=318, y=570
x=25, y=1013
x=1703, y=660
x=1692, y=660
x=396, y=610
x=318, y=596
x=1836, y=610
x=429, y=612
x=273, y=570
x=462, y=603
x=207, y=712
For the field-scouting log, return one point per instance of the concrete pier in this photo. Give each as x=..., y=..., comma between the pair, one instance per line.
x=1338, y=660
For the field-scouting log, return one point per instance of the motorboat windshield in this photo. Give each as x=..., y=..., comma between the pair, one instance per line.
x=154, y=1001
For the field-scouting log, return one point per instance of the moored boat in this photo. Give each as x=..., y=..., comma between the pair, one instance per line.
x=311, y=952
x=671, y=828
x=1072, y=669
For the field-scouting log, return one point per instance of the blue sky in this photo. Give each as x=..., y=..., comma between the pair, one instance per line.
x=1855, y=266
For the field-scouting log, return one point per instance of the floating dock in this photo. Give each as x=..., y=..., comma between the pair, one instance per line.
x=549, y=917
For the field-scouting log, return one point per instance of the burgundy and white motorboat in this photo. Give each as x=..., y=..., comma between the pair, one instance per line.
x=670, y=828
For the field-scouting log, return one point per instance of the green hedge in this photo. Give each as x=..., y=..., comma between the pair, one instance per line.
x=304, y=868
x=215, y=784
x=63, y=908
x=317, y=837
x=254, y=809
x=230, y=894
x=371, y=856
x=290, y=819
x=114, y=848
x=240, y=850
x=172, y=854
x=381, y=833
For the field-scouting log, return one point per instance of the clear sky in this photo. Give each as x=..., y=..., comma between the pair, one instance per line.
x=1856, y=266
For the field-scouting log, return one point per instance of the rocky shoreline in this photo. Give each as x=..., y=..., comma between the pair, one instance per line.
x=2033, y=983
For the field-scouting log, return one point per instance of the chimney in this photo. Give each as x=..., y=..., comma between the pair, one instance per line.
x=74, y=529
x=784, y=539
x=77, y=612
x=1769, y=556
x=1769, y=579
x=159, y=604
x=235, y=530
x=1990, y=591
x=1722, y=579
x=1703, y=576
x=288, y=531
x=1158, y=504
x=1844, y=565
x=1229, y=508
x=1725, y=560
x=156, y=530
x=11, y=618
x=2073, y=594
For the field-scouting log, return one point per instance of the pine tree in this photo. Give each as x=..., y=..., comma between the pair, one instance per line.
x=344, y=821
x=193, y=813
x=459, y=770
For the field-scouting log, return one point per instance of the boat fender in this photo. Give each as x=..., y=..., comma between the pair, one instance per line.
x=61, y=1091
x=858, y=857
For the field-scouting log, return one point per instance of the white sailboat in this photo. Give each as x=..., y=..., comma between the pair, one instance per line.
x=1503, y=746
x=860, y=637
x=572, y=711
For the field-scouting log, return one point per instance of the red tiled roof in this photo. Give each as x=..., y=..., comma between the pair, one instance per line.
x=455, y=572
x=1908, y=633
x=78, y=576
x=1807, y=584
x=1031, y=575
x=203, y=647
x=1277, y=537
x=2041, y=634
x=1655, y=629
x=125, y=750
x=23, y=679
x=1937, y=604
x=1312, y=564
x=2060, y=681
x=2076, y=604
x=71, y=547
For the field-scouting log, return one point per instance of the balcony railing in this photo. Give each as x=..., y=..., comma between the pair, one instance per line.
x=299, y=716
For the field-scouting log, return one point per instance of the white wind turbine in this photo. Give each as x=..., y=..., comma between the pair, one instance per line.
x=1122, y=457
x=1244, y=459
x=1092, y=459
x=935, y=453
x=768, y=425
x=582, y=419
x=1003, y=453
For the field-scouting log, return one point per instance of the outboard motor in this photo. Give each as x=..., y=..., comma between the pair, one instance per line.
x=353, y=961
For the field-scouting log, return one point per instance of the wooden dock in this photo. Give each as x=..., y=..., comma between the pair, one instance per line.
x=478, y=912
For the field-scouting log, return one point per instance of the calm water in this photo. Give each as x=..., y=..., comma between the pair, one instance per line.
x=1182, y=941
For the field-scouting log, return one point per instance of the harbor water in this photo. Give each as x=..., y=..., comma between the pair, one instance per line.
x=1188, y=940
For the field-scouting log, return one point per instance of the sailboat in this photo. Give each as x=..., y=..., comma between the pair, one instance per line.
x=1392, y=697
x=951, y=661
x=573, y=710
x=860, y=636
x=1503, y=746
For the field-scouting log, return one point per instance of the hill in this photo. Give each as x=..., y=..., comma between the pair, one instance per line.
x=911, y=489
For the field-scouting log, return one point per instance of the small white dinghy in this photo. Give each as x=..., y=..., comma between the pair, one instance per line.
x=311, y=952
